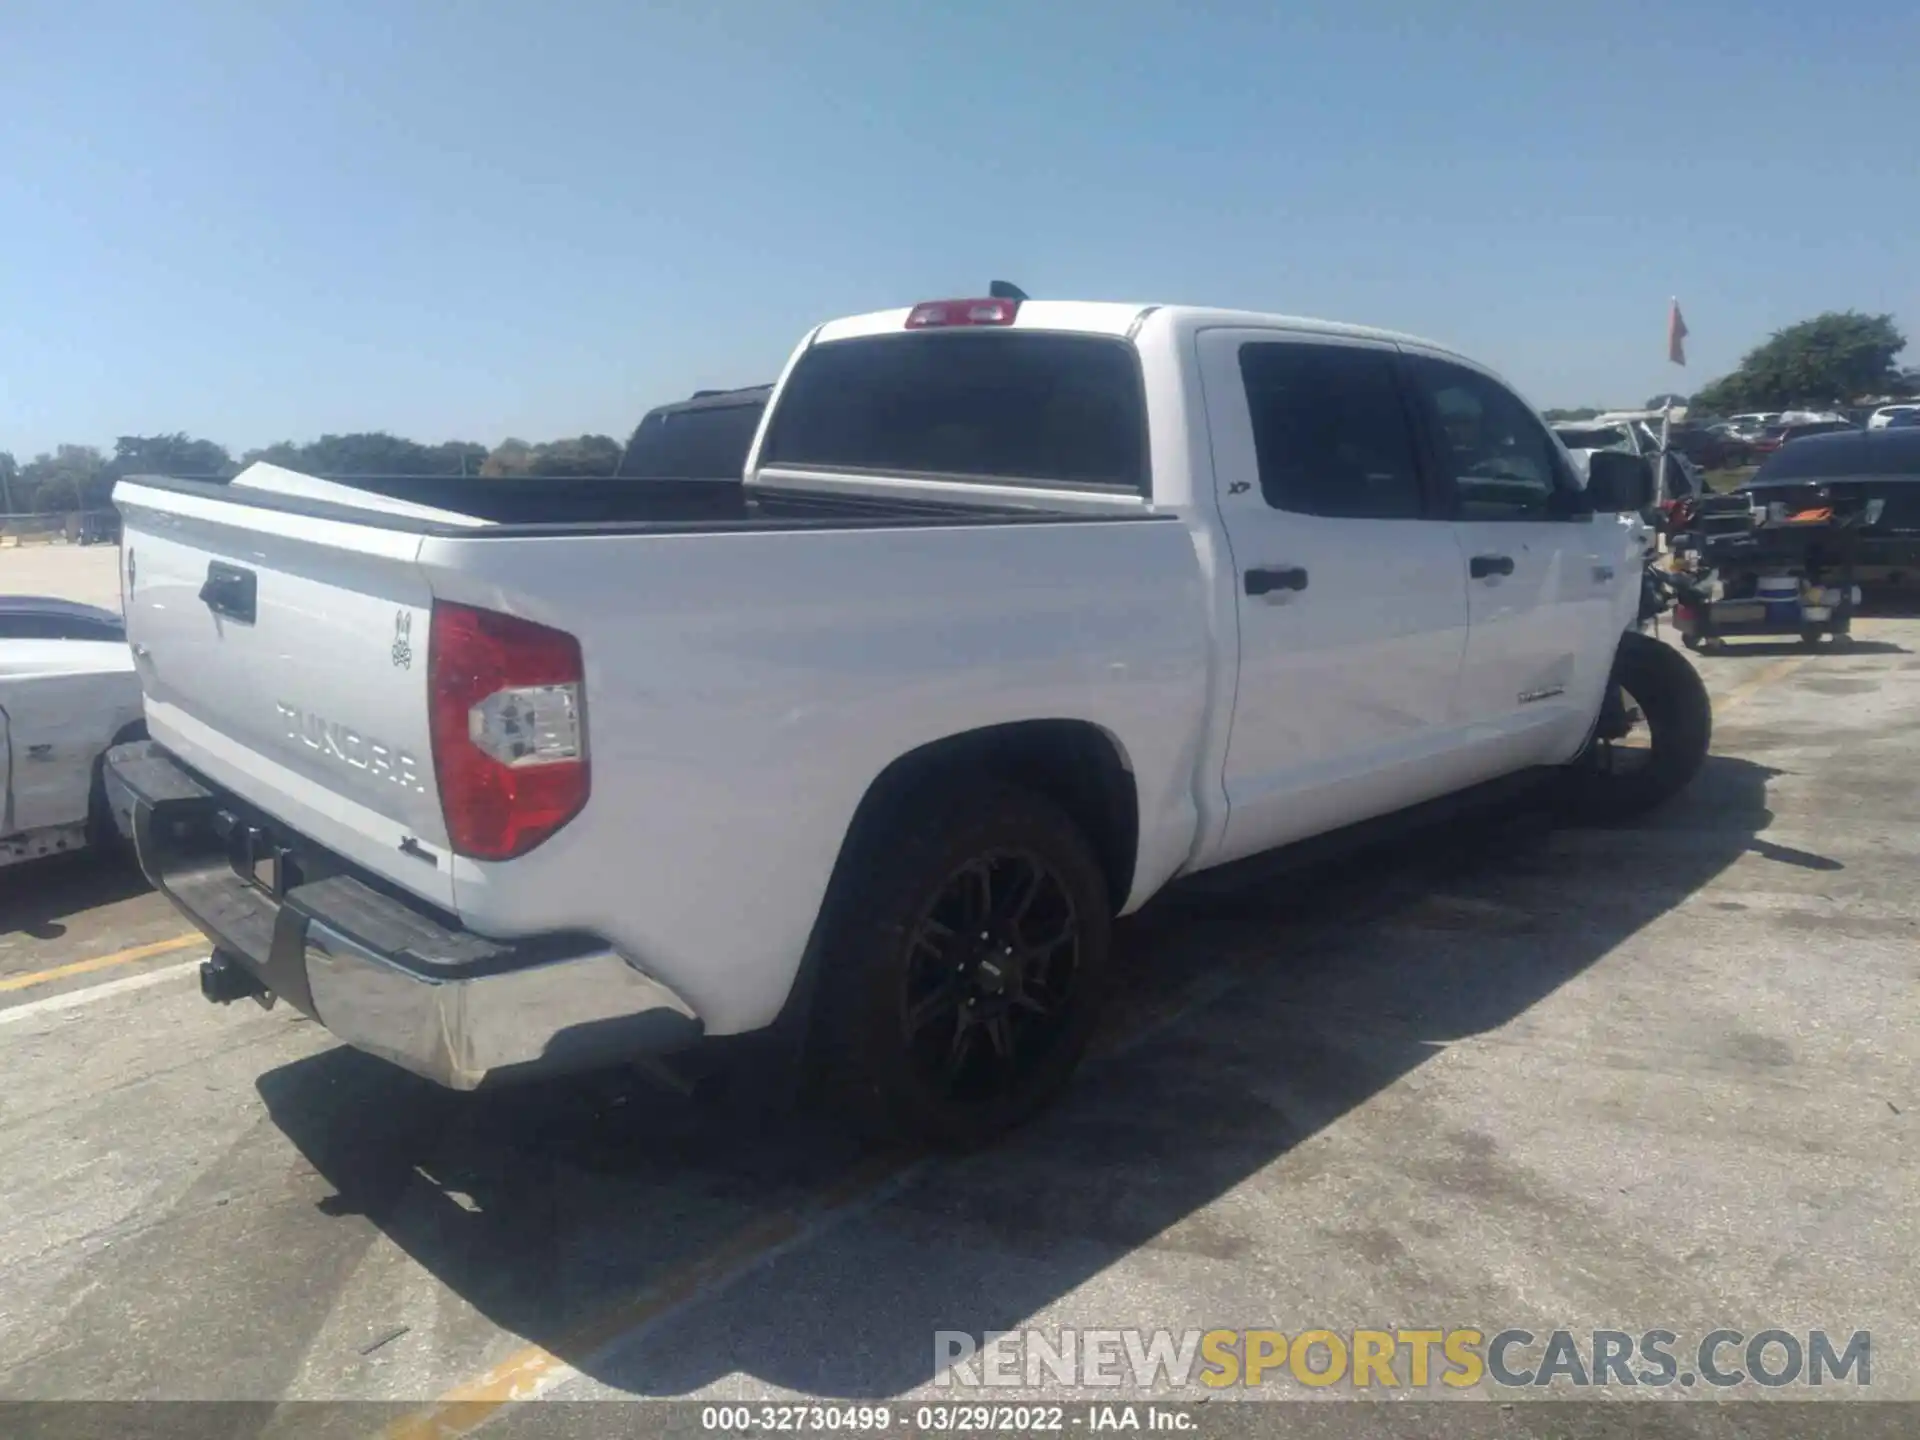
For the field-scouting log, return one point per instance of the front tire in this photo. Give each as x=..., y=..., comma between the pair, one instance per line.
x=1672, y=704
x=964, y=977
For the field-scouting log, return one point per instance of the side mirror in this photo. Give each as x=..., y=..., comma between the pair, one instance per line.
x=1618, y=482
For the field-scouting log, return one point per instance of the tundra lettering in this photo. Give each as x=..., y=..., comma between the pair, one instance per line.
x=339, y=742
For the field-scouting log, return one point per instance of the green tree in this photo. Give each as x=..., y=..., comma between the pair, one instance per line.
x=373, y=452
x=581, y=455
x=177, y=454
x=509, y=457
x=282, y=452
x=456, y=457
x=73, y=477
x=1828, y=360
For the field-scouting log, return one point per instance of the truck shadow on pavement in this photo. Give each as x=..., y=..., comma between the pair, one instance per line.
x=1250, y=1020
x=40, y=897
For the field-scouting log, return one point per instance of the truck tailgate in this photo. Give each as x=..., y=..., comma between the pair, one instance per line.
x=284, y=656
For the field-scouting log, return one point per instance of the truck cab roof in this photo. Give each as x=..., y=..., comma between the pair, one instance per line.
x=1122, y=319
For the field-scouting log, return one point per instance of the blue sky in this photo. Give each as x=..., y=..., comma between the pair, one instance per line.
x=473, y=218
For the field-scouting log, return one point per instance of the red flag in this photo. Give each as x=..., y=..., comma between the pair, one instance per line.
x=1676, y=336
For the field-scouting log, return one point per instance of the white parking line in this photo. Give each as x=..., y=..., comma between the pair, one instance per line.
x=74, y=999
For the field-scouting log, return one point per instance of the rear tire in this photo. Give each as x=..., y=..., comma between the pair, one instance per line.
x=928, y=1032
x=1679, y=717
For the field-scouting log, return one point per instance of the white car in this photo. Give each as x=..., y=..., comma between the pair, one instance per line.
x=1023, y=610
x=68, y=692
x=1880, y=418
x=1632, y=435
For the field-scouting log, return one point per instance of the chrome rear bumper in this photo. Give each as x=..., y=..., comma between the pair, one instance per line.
x=383, y=973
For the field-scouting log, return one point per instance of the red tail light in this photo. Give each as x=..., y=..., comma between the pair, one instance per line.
x=938, y=313
x=507, y=708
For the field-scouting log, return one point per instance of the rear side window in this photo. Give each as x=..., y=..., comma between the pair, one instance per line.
x=1330, y=431
x=1002, y=405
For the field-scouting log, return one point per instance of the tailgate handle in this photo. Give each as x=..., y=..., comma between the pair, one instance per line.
x=231, y=590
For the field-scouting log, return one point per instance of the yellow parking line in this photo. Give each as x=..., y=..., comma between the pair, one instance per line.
x=101, y=962
x=526, y=1372
x=1750, y=686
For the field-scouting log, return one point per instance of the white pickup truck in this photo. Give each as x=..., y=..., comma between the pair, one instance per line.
x=1022, y=610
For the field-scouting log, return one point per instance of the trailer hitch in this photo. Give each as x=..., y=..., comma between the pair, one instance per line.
x=224, y=980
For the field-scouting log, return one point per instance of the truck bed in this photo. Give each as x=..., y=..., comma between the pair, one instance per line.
x=752, y=659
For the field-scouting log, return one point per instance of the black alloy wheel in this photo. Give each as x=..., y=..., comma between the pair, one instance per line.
x=964, y=963
x=989, y=978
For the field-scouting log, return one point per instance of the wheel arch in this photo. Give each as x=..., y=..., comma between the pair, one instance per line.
x=1080, y=766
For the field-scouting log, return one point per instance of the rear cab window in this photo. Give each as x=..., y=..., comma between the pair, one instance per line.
x=1000, y=406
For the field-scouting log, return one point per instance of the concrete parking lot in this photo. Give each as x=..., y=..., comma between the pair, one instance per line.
x=1649, y=1077
x=87, y=573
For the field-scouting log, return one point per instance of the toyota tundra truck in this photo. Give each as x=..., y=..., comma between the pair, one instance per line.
x=1021, y=610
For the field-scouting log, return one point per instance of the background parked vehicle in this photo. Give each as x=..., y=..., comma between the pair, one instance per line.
x=1709, y=448
x=68, y=691
x=1883, y=465
x=703, y=438
x=1679, y=475
x=1753, y=423
x=1886, y=414
x=1779, y=435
